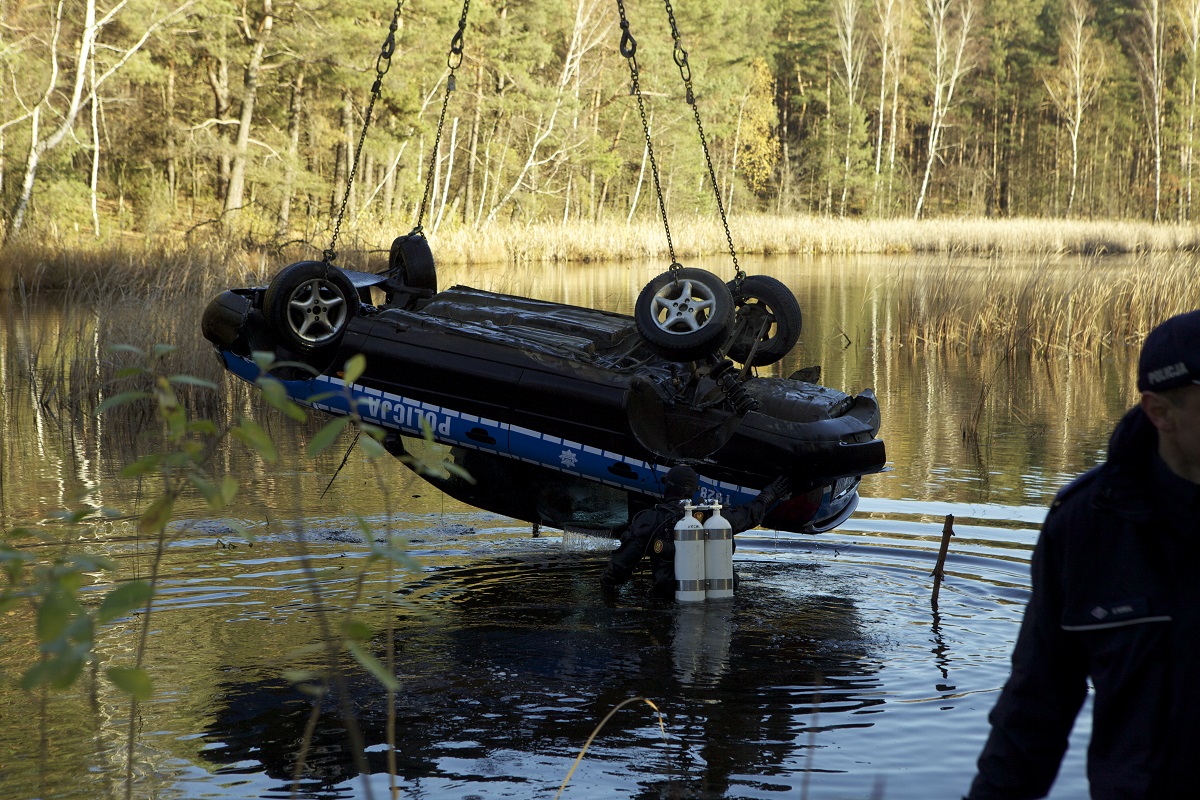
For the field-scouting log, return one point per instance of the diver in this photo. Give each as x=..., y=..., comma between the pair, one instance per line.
x=652, y=530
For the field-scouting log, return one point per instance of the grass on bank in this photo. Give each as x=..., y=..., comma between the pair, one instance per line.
x=229, y=257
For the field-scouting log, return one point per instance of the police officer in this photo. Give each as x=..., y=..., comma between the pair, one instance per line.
x=1116, y=603
x=652, y=530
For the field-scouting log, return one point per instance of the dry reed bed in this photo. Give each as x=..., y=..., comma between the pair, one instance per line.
x=227, y=259
x=767, y=234
x=151, y=295
x=1050, y=307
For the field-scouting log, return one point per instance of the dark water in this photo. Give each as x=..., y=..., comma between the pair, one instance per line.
x=828, y=676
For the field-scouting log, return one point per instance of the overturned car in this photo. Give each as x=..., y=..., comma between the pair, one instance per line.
x=562, y=415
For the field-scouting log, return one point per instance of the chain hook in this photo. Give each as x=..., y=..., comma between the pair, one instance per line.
x=628, y=43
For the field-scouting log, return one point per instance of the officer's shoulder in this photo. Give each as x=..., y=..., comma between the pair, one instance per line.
x=1076, y=487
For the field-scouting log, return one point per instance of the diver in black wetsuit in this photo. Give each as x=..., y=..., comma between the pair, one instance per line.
x=651, y=531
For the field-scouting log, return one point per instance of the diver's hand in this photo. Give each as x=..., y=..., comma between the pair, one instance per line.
x=776, y=490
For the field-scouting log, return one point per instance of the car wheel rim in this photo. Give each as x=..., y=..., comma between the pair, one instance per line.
x=754, y=314
x=316, y=311
x=683, y=307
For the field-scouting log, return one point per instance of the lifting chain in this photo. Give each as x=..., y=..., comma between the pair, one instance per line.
x=382, y=64
x=629, y=51
x=453, y=59
x=685, y=71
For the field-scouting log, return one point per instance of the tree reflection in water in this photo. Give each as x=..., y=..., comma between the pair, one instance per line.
x=522, y=656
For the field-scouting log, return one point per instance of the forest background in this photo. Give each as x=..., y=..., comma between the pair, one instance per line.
x=157, y=117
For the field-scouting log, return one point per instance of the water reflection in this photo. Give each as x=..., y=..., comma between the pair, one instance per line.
x=520, y=655
x=961, y=424
x=827, y=670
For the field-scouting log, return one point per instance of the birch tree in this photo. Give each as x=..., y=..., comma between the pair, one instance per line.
x=257, y=34
x=48, y=103
x=1189, y=23
x=592, y=22
x=890, y=37
x=950, y=30
x=1074, y=84
x=1149, y=53
x=851, y=54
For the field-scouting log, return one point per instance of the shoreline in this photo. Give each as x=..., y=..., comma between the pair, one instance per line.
x=139, y=262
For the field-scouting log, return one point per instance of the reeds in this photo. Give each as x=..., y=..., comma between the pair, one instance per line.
x=215, y=258
x=776, y=234
x=1049, y=306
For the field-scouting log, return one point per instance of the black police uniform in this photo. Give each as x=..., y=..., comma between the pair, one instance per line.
x=1115, y=601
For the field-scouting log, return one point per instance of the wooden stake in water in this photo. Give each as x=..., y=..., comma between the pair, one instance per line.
x=938, y=574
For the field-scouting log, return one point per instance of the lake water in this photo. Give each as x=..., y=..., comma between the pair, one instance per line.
x=828, y=676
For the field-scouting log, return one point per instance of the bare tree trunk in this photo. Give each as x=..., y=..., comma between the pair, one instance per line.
x=293, y=155
x=737, y=143
x=172, y=139
x=896, y=72
x=1150, y=55
x=95, y=176
x=218, y=79
x=948, y=66
x=1074, y=85
x=637, y=192
x=1189, y=19
x=234, y=198
x=886, y=9
x=341, y=170
x=483, y=189
x=389, y=186
x=473, y=150
x=890, y=37
x=449, y=173
x=437, y=179
x=851, y=55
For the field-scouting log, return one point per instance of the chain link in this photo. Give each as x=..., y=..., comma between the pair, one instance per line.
x=453, y=60
x=685, y=72
x=382, y=64
x=629, y=51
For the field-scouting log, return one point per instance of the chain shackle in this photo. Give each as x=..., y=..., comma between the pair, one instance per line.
x=628, y=43
x=455, y=56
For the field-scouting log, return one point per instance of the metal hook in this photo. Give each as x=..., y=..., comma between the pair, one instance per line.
x=628, y=43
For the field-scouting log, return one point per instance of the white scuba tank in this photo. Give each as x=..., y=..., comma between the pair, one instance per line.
x=718, y=555
x=689, y=557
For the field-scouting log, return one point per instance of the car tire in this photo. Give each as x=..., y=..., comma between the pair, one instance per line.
x=414, y=260
x=309, y=304
x=760, y=299
x=685, y=314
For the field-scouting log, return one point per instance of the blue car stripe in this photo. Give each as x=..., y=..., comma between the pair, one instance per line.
x=449, y=426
